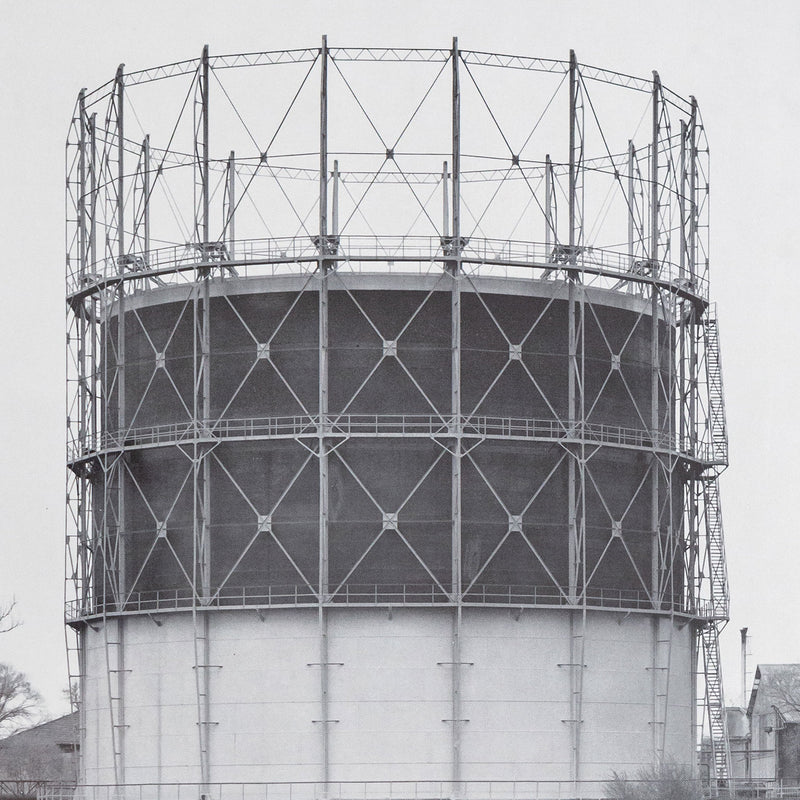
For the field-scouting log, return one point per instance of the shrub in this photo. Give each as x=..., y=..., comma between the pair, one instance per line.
x=665, y=781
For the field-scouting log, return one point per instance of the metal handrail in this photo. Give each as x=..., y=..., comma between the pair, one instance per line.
x=436, y=425
x=393, y=594
x=235, y=258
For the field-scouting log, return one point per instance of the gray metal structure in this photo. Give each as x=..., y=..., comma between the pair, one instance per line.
x=314, y=364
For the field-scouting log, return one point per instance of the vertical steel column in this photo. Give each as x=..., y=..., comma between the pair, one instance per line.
x=114, y=647
x=205, y=528
x=572, y=341
x=631, y=202
x=82, y=325
x=198, y=641
x=108, y=421
x=692, y=259
x=693, y=192
x=81, y=204
x=654, y=338
x=335, y=200
x=121, y=417
x=673, y=404
x=92, y=257
x=456, y=428
x=80, y=702
x=548, y=204
x=85, y=322
x=661, y=655
x=456, y=123
x=230, y=219
x=146, y=192
x=323, y=143
x=681, y=327
x=201, y=533
x=656, y=114
x=323, y=267
x=689, y=329
x=576, y=411
x=695, y=486
x=204, y=96
x=573, y=163
x=96, y=389
x=654, y=413
x=93, y=190
x=695, y=730
x=445, y=203
x=119, y=470
x=200, y=452
x=205, y=532
x=81, y=321
x=654, y=333
x=119, y=96
x=682, y=202
x=119, y=93
x=205, y=361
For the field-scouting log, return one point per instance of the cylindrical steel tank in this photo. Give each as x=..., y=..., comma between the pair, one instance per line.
x=354, y=507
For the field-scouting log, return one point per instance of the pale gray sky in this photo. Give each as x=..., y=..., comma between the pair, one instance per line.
x=740, y=59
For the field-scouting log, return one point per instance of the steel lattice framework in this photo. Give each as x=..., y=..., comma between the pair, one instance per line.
x=249, y=329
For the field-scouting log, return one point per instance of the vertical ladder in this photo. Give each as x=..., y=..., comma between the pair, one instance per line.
x=662, y=632
x=202, y=670
x=715, y=702
x=115, y=670
x=715, y=567
x=576, y=668
x=716, y=404
x=75, y=670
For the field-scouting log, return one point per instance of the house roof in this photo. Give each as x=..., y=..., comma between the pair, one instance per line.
x=776, y=687
x=62, y=730
x=44, y=752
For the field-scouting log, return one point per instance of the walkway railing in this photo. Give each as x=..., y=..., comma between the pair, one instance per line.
x=387, y=425
x=351, y=594
x=263, y=257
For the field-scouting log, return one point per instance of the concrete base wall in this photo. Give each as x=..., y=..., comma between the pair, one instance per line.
x=390, y=682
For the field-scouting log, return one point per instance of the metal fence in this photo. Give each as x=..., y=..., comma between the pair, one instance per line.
x=407, y=790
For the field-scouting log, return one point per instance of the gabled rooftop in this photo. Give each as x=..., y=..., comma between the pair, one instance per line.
x=776, y=687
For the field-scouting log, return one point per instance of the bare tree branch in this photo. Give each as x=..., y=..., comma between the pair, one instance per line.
x=20, y=703
x=73, y=694
x=7, y=621
x=785, y=690
x=34, y=761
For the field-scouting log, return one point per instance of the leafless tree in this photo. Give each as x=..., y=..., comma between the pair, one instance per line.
x=73, y=694
x=785, y=690
x=20, y=703
x=34, y=762
x=7, y=621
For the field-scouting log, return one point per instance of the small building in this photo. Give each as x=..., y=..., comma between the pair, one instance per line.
x=774, y=714
x=764, y=738
x=738, y=726
x=46, y=752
